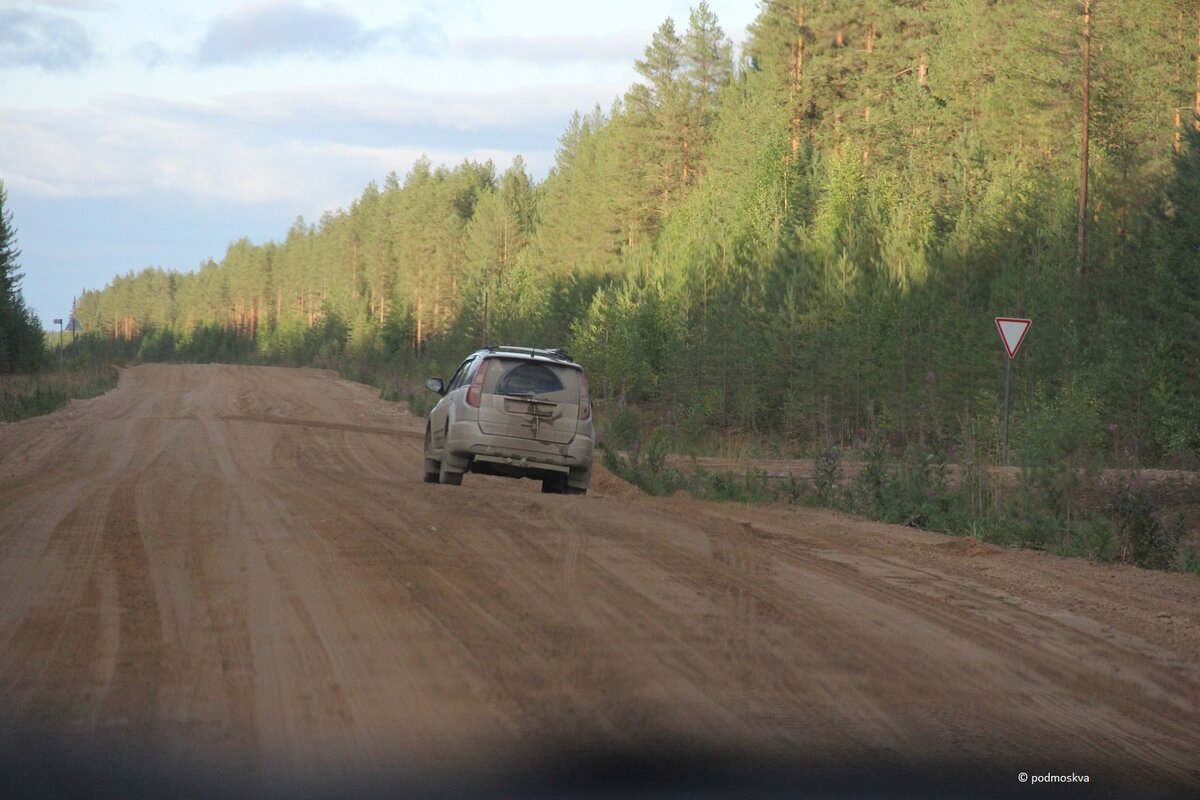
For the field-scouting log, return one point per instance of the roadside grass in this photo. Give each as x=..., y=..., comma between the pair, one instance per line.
x=1062, y=506
x=32, y=395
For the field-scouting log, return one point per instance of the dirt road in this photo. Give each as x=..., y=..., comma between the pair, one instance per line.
x=241, y=567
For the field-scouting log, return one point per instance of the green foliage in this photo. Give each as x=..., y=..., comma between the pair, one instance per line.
x=158, y=345
x=916, y=492
x=420, y=402
x=1094, y=539
x=212, y=343
x=647, y=469
x=827, y=476
x=871, y=487
x=621, y=429
x=1145, y=541
x=23, y=396
x=1067, y=427
x=659, y=482
x=1189, y=560
x=1174, y=358
x=631, y=340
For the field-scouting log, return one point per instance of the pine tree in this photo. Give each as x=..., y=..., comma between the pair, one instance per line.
x=656, y=131
x=581, y=208
x=707, y=68
x=21, y=338
x=779, y=39
x=10, y=278
x=1174, y=381
x=496, y=234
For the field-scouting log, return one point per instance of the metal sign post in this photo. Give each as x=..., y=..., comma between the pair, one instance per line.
x=58, y=322
x=1012, y=333
x=1007, y=383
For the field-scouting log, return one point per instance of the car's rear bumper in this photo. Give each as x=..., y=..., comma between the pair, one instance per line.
x=468, y=447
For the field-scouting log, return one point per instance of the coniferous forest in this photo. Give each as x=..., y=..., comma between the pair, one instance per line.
x=806, y=240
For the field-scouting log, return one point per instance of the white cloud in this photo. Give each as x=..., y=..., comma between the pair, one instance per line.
x=53, y=42
x=65, y=5
x=370, y=111
x=284, y=28
x=100, y=151
x=150, y=55
x=297, y=145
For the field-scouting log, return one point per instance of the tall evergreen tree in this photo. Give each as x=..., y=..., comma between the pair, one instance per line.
x=581, y=210
x=656, y=129
x=1174, y=381
x=10, y=278
x=21, y=338
x=707, y=68
x=777, y=47
x=495, y=236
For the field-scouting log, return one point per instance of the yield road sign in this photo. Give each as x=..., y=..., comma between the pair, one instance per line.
x=1012, y=332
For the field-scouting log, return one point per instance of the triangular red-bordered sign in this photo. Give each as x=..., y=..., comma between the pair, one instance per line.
x=1012, y=333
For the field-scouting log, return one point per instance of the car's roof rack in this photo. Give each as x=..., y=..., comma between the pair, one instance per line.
x=555, y=353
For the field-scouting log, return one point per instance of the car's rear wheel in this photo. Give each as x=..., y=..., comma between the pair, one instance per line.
x=449, y=476
x=432, y=467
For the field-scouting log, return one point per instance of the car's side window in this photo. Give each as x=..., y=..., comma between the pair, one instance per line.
x=472, y=368
x=460, y=376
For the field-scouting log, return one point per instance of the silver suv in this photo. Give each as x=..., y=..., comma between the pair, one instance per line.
x=521, y=412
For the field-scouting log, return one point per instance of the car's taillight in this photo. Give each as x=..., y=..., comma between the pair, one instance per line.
x=585, y=402
x=475, y=390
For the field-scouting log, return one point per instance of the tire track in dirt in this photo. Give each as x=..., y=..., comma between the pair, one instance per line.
x=50, y=628
x=131, y=704
x=1012, y=633
x=312, y=423
x=765, y=653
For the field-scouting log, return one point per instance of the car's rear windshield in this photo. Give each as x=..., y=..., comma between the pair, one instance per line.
x=525, y=378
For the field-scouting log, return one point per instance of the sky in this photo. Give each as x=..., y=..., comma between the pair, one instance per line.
x=151, y=134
